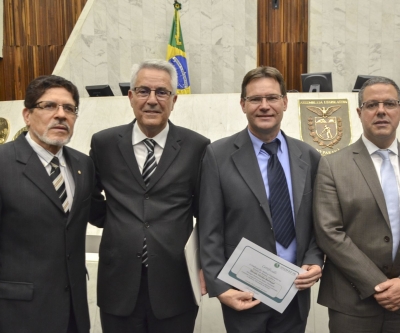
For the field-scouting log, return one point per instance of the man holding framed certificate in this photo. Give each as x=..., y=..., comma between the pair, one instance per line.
x=257, y=184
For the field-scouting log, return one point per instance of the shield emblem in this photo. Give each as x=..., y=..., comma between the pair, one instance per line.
x=326, y=128
x=325, y=124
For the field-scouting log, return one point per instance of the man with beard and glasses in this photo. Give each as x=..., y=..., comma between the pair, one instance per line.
x=45, y=191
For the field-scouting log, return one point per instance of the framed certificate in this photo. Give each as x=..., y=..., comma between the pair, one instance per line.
x=269, y=277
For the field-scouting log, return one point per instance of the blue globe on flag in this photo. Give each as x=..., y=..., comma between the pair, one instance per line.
x=180, y=65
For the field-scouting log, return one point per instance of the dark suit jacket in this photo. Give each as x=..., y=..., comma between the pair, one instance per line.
x=42, y=251
x=233, y=204
x=353, y=229
x=163, y=212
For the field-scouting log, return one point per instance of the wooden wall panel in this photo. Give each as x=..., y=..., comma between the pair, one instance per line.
x=35, y=33
x=283, y=37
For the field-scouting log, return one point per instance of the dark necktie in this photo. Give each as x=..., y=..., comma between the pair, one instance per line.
x=279, y=199
x=150, y=165
x=58, y=182
x=148, y=168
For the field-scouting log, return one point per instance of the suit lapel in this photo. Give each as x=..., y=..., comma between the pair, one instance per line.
x=170, y=152
x=34, y=170
x=79, y=179
x=126, y=148
x=246, y=162
x=366, y=166
x=298, y=171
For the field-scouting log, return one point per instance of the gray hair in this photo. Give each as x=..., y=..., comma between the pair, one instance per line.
x=161, y=65
x=376, y=80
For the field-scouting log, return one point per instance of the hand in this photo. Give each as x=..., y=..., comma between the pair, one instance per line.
x=308, y=279
x=388, y=294
x=238, y=300
x=202, y=283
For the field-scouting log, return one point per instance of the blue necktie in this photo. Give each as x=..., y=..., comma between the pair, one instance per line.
x=389, y=187
x=279, y=199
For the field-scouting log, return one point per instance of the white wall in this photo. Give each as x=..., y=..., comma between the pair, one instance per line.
x=352, y=37
x=220, y=38
x=346, y=37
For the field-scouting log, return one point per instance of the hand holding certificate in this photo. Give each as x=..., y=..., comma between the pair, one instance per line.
x=269, y=277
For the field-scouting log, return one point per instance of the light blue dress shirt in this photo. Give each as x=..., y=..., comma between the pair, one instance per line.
x=288, y=254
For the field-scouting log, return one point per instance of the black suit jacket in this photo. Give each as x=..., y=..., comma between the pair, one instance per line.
x=234, y=204
x=42, y=251
x=163, y=212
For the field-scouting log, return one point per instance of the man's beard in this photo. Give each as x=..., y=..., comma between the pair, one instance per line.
x=54, y=142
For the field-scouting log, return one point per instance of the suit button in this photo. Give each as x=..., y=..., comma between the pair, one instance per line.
x=385, y=267
x=68, y=256
x=146, y=225
x=146, y=196
x=66, y=288
x=386, y=239
x=139, y=255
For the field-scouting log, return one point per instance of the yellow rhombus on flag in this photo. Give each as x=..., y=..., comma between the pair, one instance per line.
x=176, y=54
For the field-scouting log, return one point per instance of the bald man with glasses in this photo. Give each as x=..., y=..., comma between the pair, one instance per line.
x=357, y=219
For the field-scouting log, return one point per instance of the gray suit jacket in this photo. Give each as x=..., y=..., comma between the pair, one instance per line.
x=42, y=251
x=163, y=212
x=353, y=229
x=233, y=204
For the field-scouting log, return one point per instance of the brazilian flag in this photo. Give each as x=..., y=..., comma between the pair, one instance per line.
x=176, y=54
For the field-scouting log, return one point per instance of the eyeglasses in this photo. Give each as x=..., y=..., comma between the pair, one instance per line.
x=256, y=100
x=389, y=104
x=53, y=107
x=162, y=94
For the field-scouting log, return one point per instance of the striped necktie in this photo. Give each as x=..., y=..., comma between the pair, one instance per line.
x=279, y=198
x=150, y=164
x=148, y=169
x=58, y=182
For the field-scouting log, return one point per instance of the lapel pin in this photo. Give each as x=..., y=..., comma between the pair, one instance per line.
x=79, y=171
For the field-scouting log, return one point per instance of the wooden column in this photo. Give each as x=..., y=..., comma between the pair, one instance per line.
x=283, y=37
x=35, y=33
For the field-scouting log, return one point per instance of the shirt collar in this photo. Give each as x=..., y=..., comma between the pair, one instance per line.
x=138, y=136
x=257, y=143
x=44, y=154
x=372, y=148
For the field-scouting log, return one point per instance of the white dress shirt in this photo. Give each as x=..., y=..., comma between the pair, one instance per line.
x=45, y=157
x=377, y=160
x=140, y=149
x=394, y=160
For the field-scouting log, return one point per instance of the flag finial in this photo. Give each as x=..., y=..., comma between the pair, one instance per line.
x=177, y=5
